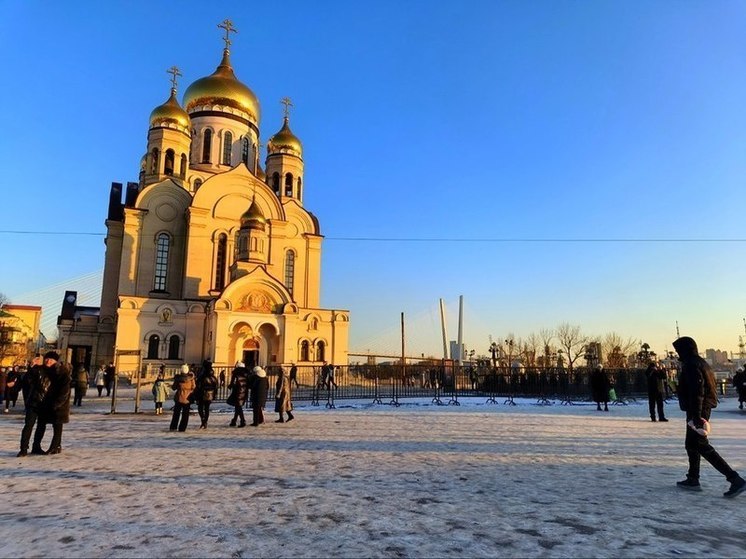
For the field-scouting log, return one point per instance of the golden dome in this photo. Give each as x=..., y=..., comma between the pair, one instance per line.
x=253, y=218
x=285, y=140
x=222, y=88
x=169, y=112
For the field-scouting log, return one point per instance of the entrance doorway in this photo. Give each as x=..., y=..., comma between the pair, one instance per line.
x=250, y=358
x=80, y=355
x=250, y=353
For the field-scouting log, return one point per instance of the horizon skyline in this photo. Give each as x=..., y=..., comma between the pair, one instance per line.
x=578, y=163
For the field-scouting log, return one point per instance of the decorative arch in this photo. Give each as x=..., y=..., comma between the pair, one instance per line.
x=129, y=304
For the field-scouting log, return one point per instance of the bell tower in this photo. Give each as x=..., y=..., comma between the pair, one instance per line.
x=285, y=160
x=169, y=140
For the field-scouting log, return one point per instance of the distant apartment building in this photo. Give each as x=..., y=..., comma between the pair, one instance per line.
x=716, y=356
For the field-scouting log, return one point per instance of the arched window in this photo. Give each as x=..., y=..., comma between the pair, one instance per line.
x=173, y=347
x=320, y=351
x=161, y=261
x=288, y=185
x=183, y=167
x=299, y=187
x=197, y=184
x=206, y=146
x=154, y=161
x=245, y=151
x=304, y=350
x=289, y=270
x=153, y=342
x=276, y=183
x=220, y=261
x=227, y=148
x=169, y=162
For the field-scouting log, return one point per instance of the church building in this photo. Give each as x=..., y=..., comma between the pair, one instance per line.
x=211, y=255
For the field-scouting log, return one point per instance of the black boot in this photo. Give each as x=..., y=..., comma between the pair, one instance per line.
x=689, y=484
x=737, y=486
x=290, y=416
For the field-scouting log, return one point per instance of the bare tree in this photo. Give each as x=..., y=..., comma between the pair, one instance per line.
x=3, y=300
x=529, y=348
x=572, y=342
x=546, y=337
x=616, y=349
x=509, y=349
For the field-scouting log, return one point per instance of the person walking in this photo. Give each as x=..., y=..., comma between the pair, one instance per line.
x=207, y=388
x=697, y=397
x=12, y=387
x=600, y=386
x=283, y=399
x=81, y=385
x=184, y=387
x=259, y=387
x=739, y=383
x=98, y=380
x=294, y=374
x=54, y=408
x=239, y=387
x=160, y=393
x=35, y=386
x=656, y=378
x=109, y=374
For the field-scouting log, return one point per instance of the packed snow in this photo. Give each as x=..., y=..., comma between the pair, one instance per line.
x=363, y=480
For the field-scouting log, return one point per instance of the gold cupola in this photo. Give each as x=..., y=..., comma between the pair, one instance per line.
x=285, y=141
x=253, y=218
x=170, y=114
x=222, y=88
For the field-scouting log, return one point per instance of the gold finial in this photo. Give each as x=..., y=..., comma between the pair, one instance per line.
x=174, y=71
x=228, y=26
x=286, y=101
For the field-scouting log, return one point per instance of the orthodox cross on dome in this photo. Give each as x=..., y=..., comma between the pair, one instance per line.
x=228, y=26
x=175, y=73
x=288, y=103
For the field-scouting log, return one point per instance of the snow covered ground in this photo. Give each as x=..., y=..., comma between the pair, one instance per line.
x=478, y=480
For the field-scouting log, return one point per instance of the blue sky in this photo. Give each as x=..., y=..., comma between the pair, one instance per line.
x=538, y=138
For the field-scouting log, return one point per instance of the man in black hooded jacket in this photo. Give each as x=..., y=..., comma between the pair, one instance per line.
x=697, y=397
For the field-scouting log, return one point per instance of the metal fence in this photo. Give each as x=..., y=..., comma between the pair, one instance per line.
x=447, y=384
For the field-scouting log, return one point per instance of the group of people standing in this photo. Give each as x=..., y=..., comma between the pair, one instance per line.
x=47, y=401
x=603, y=391
x=202, y=388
